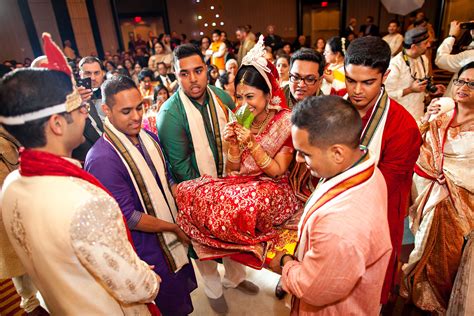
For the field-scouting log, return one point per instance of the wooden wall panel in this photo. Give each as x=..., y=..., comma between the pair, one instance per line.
x=82, y=27
x=461, y=10
x=13, y=33
x=44, y=19
x=183, y=16
x=360, y=9
x=105, y=20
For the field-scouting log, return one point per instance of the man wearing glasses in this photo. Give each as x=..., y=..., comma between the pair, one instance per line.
x=306, y=70
x=409, y=79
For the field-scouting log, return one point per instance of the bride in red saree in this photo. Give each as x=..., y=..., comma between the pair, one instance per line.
x=240, y=211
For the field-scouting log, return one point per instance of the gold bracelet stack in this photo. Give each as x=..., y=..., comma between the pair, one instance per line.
x=255, y=148
x=232, y=158
x=265, y=161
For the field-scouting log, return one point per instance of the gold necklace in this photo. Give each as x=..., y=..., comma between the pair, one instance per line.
x=259, y=125
x=264, y=123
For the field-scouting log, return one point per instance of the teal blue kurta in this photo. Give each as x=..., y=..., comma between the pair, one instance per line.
x=175, y=135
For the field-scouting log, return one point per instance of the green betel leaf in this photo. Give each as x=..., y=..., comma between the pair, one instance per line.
x=244, y=116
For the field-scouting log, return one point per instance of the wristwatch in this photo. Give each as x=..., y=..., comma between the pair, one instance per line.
x=452, y=36
x=283, y=257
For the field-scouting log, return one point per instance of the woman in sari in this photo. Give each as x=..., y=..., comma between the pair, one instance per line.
x=334, y=81
x=442, y=215
x=161, y=55
x=149, y=117
x=240, y=211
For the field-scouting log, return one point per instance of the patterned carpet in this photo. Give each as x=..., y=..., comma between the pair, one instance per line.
x=9, y=300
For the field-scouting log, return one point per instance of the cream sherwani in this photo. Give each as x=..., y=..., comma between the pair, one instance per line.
x=395, y=42
x=71, y=239
x=400, y=77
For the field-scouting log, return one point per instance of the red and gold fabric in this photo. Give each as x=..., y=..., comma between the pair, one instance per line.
x=241, y=212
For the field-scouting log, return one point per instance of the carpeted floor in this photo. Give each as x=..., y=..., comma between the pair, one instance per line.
x=9, y=300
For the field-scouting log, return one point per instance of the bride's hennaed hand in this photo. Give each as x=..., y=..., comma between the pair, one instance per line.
x=244, y=136
x=229, y=134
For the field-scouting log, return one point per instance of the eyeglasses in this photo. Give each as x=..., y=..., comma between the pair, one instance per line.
x=309, y=80
x=460, y=83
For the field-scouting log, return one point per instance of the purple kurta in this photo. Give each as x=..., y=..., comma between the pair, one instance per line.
x=105, y=164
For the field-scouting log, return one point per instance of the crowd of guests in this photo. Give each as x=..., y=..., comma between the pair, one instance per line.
x=340, y=147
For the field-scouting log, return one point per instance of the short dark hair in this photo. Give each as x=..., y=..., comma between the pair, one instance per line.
x=369, y=51
x=160, y=63
x=115, y=85
x=108, y=62
x=224, y=79
x=420, y=22
x=145, y=72
x=4, y=70
x=242, y=29
x=394, y=21
x=28, y=90
x=186, y=50
x=217, y=31
x=250, y=76
x=308, y=54
x=90, y=60
x=466, y=67
x=329, y=120
x=205, y=37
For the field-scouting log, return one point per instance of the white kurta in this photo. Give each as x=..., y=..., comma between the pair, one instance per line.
x=395, y=42
x=400, y=77
x=70, y=236
x=452, y=62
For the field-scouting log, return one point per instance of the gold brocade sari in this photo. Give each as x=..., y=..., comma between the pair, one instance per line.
x=442, y=214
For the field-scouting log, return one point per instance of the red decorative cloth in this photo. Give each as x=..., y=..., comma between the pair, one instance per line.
x=401, y=143
x=40, y=163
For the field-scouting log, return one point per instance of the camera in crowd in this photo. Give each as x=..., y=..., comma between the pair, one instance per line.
x=430, y=85
x=467, y=26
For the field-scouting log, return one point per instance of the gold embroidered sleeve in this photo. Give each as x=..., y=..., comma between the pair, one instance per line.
x=100, y=242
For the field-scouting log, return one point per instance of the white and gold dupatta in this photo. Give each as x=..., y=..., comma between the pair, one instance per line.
x=153, y=201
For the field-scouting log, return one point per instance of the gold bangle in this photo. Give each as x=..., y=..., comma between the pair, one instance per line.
x=266, y=163
x=260, y=159
x=232, y=158
x=255, y=148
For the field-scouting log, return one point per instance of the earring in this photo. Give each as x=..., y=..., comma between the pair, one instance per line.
x=267, y=110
